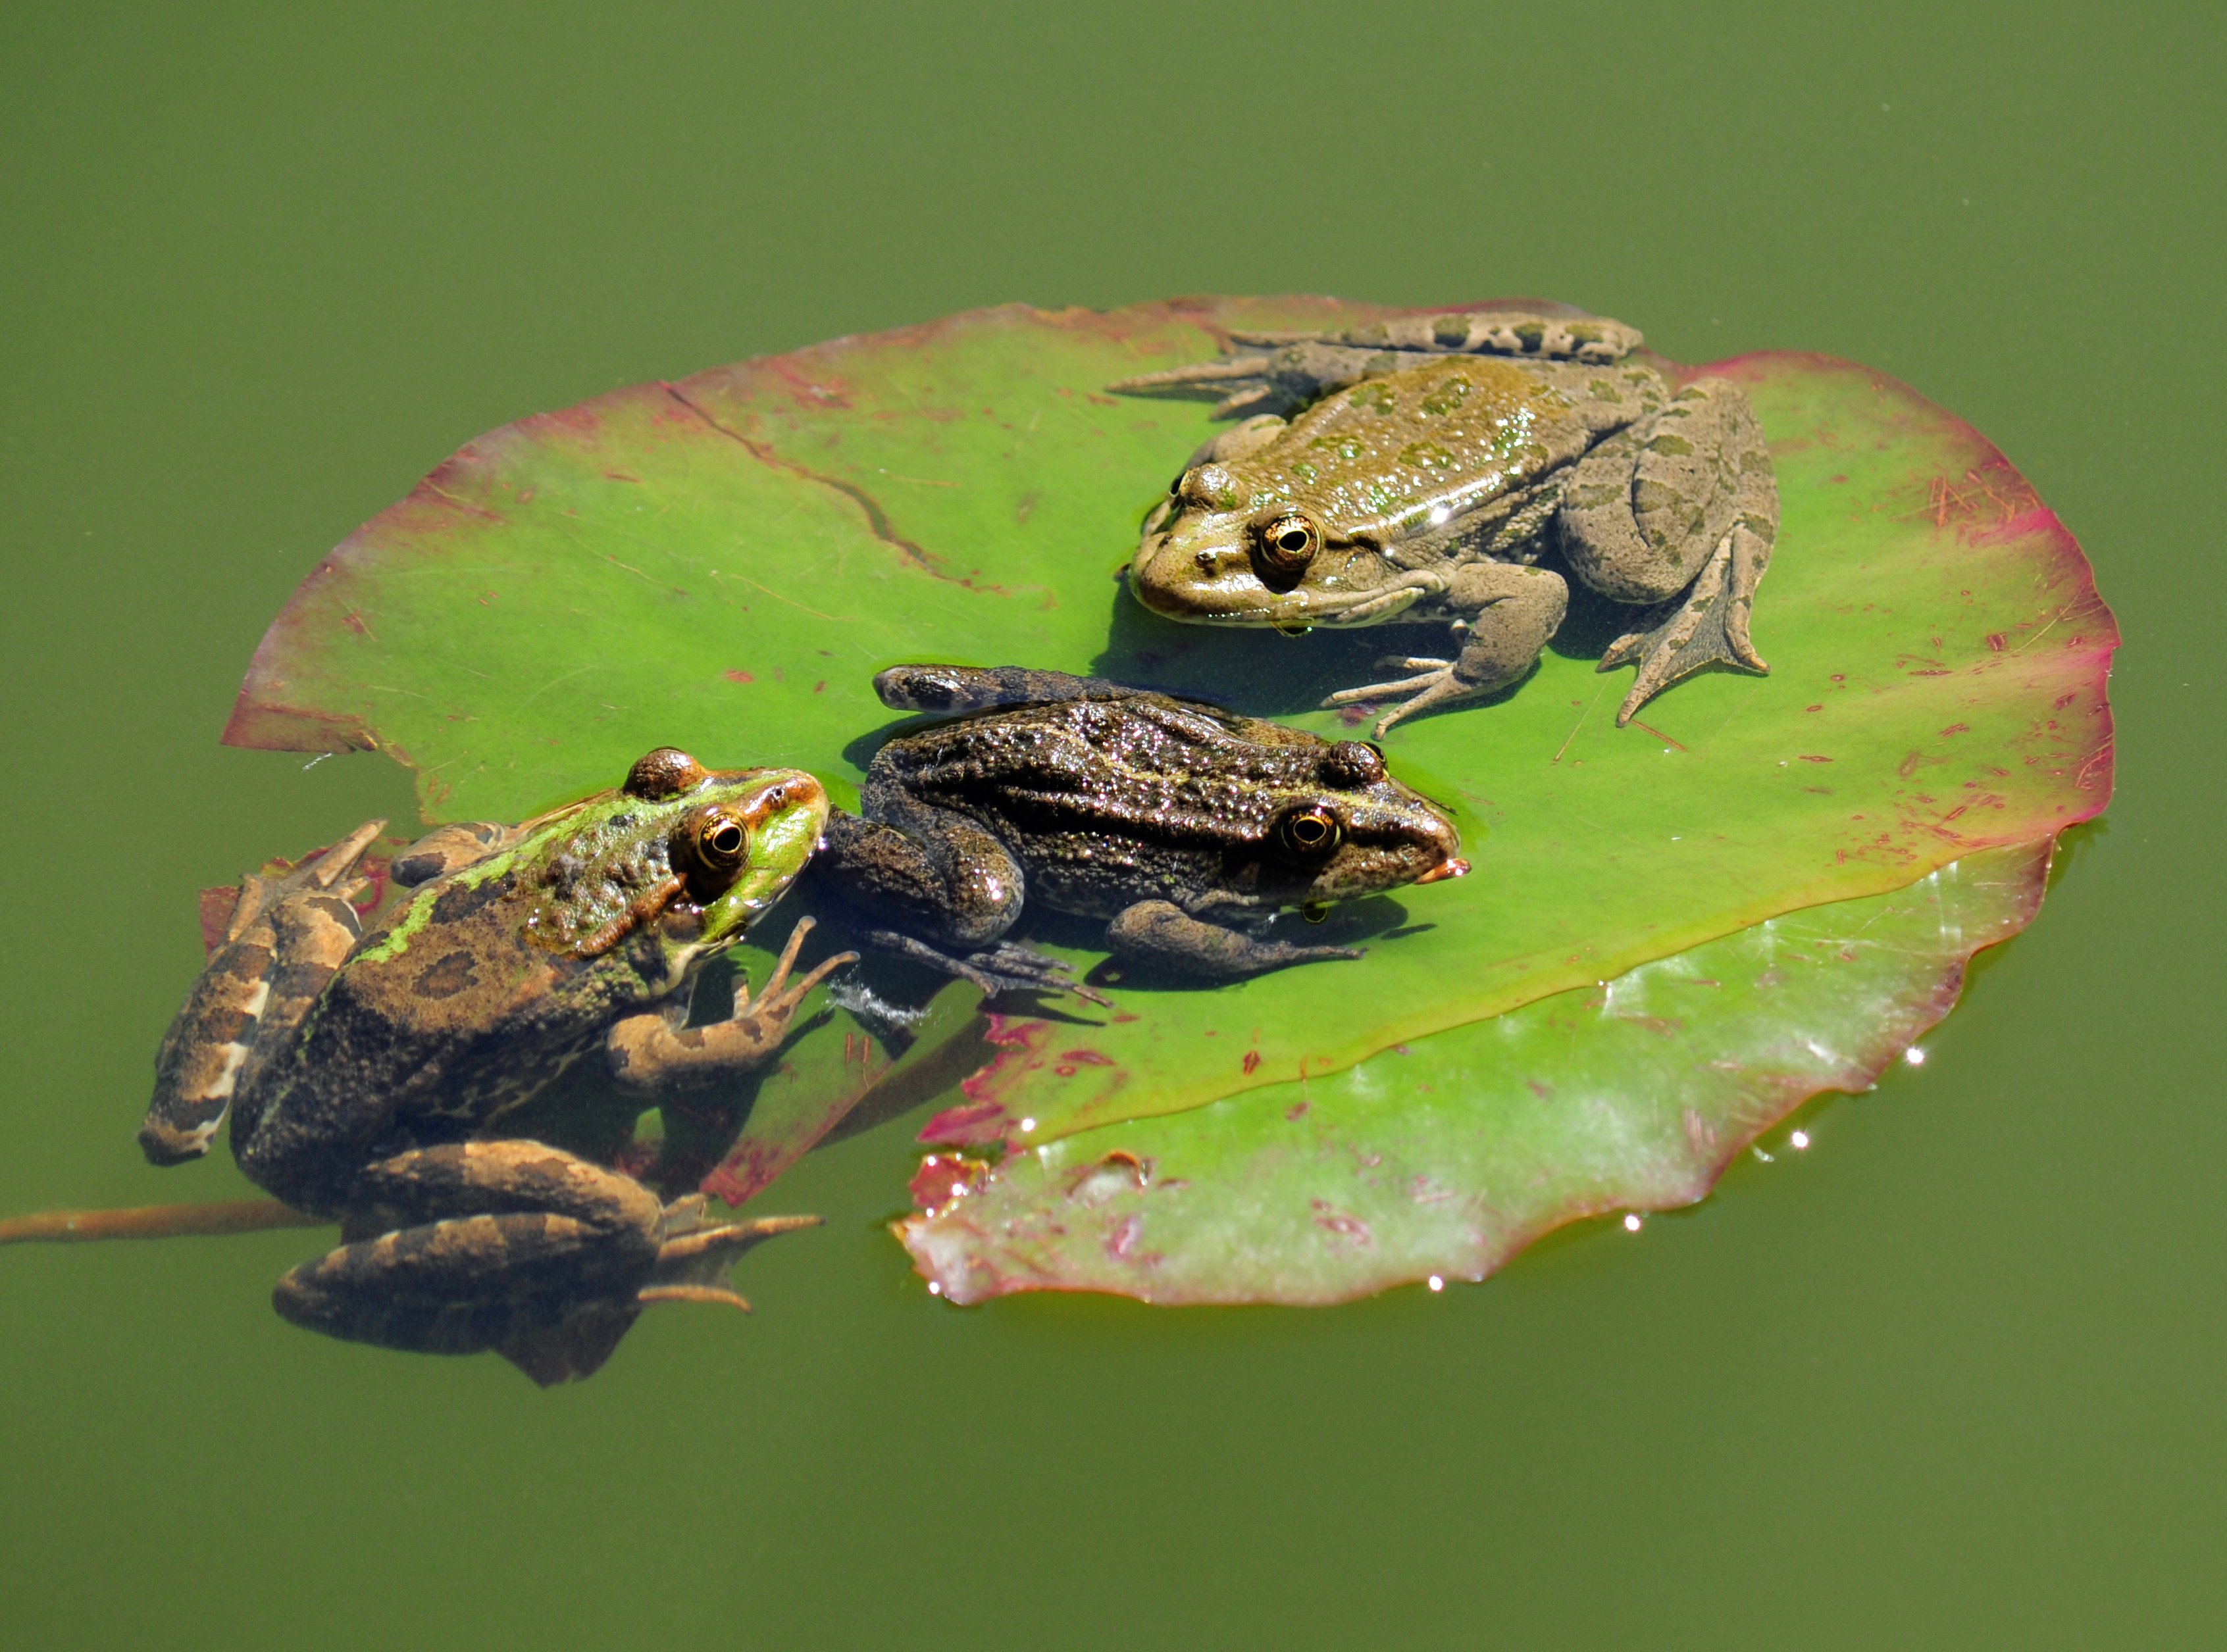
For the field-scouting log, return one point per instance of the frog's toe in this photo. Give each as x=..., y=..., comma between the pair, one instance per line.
x=1438, y=682
x=690, y=1267
x=692, y=1264
x=1019, y=969
x=1004, y=968
x=781, y=995
x=1428, y=672
x=1709, y=626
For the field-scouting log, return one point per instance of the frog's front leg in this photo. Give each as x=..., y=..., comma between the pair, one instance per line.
x=657, y=1051
x=1515, y=610
x=499, y=1245
x=1160, y=931
x=936, y=888
x=1680, y=511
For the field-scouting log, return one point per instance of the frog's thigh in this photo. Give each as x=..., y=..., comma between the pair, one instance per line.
x=450, y=848
x=944, y=877
x=1517, y=609
x=484, y=1241
x=288, y=936
x=1646, y=508
x=1159, y=932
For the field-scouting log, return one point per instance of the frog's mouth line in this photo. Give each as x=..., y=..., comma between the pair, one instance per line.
x=1333, y=609
x=1237, y=596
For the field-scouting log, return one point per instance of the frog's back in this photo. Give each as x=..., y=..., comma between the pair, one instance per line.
x=1461, y=400
x=446, y=1009
x=1400, y=441
x=1149, y=786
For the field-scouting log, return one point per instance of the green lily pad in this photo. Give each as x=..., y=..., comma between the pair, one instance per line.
x=1445, y=1156
x=722, y=564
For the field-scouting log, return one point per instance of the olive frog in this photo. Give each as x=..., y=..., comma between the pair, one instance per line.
x=1427, y=465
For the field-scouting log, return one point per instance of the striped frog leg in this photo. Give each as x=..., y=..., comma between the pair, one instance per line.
x=287, y=936
x=1277, y=373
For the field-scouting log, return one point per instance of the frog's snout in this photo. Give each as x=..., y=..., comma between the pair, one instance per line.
x=1149, y=576
x=1442, y=837
x=1184, y=577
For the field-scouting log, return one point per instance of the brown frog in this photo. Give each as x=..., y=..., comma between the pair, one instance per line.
x=368, y=1075
x=1185, y=828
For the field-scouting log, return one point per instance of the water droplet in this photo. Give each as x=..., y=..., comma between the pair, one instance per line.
x=1798, y=1140
x=1631, y=1222
x=1914, y=1055
x=1437, y=1284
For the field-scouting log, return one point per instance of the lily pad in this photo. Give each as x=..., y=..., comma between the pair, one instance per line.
x=723, y=563
x=1446, y=1157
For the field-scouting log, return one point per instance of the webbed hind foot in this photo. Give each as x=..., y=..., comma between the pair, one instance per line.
x=1709, y=626
x=1005, y=967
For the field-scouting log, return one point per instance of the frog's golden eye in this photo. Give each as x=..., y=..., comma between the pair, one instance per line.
x=1286, y=544
x=1309, y=829
x=719, y=839
x=666, y=772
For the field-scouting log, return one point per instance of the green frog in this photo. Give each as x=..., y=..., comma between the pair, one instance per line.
x=1418, y=469
x=367, y=1073
x=1185, y=826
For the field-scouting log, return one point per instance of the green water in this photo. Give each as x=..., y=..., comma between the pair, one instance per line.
x=1949, y=1378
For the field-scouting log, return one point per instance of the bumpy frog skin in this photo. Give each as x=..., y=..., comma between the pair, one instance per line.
x=1436, y=460
x=367, y=1075
x=1185, y=826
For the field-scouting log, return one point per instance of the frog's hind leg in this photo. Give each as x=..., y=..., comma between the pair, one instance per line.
x=286, y=936
x=1678, y=513
x=1276, y=372
x=1498, y=331
x=1709, y=627
x=454, y=1249
x=515, y=1246
x=954, y=888
x=1160, y=931
x=959, y=689
x=450, y=848
x=691, y=1267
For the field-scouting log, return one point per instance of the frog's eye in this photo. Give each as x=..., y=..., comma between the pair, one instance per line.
x=666, y=772
x=1286, y=544
x=719, y=839
x=1309, y=830
x=1353, y=762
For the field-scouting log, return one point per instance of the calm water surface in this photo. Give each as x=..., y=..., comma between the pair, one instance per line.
x=1950, y=1378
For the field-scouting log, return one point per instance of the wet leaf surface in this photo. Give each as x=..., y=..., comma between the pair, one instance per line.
x=722, y=564
x=1447, y=1155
